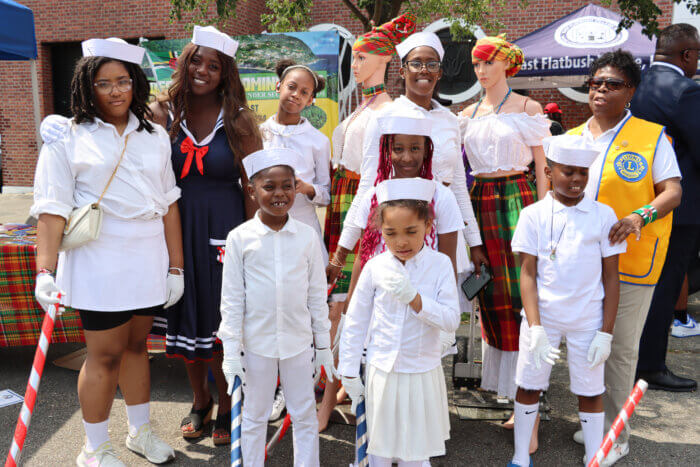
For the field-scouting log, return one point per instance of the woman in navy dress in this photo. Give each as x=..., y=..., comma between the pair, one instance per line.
x=212, y=129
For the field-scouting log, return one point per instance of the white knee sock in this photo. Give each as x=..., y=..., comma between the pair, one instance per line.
x=378, y=461
x=525, y=416
x=138, y=415
x=96, y=433
x=592, y=425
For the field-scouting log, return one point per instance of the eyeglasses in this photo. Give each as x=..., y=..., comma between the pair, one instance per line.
x=612, y=84
x=106, y=87
x=416, y=66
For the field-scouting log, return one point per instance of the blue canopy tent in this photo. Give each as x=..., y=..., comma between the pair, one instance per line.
x=18, y=42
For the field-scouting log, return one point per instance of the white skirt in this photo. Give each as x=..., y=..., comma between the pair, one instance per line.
x=407, y=414
x=124, y=269
x=498, y=370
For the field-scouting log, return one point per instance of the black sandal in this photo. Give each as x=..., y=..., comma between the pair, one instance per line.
x=198, y=418
x=223, y=422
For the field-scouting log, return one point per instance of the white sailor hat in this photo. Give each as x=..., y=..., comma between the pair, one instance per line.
x=266, y=158
x=570, y=150
x=115, y=48
x=209, y=36
x=405, y=188
x=418, y=39
x=405, y=125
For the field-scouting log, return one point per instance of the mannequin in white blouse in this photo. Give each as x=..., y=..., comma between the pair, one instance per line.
x=500, y=156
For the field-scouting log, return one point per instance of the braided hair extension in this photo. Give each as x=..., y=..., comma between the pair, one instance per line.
x=82, y=99
x=372, y=235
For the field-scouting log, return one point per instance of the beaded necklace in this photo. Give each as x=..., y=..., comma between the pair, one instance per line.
x=374, y=90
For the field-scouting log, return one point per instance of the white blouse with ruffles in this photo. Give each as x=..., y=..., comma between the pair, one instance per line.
x=502, y=141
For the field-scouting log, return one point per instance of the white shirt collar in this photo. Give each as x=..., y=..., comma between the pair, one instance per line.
x=413, y=260
x=437, y=107
x=131, y=125
x=584, y=205
x=287, y=130
x=615, y=129
x=669, y=65
x=262, y=229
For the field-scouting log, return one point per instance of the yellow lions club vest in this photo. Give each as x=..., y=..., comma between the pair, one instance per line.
x=625, y=185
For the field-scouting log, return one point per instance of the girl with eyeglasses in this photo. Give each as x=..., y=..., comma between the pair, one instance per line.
x=111, y=154
x=502, y=134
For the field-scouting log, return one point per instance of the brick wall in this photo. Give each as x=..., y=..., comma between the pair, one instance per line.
x=76, y=20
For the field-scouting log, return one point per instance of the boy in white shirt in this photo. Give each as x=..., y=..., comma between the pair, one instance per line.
x=273, y=305
x=570, y=287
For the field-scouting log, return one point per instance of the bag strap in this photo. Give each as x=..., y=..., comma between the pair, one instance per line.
x=126, y=140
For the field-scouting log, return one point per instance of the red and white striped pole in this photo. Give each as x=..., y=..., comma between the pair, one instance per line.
x=25, y=415
x=619, y=423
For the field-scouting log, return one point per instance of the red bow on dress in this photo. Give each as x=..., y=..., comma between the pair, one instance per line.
x=191, y=150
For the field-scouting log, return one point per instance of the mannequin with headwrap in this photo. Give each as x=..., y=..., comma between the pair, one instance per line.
x=371, y=54
x=502, y=134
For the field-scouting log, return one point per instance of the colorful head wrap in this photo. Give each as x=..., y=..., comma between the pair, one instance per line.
x=382, y=40
x=498, y=48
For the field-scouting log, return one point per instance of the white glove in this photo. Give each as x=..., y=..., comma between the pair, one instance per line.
x=232, y=367
x=175, y=287
x=324, y=358
x=355, y=389
x=540, y=348
x=46, y=291
x=599, y=351
x=399, y=286
x=447, y=341
x=53, y=128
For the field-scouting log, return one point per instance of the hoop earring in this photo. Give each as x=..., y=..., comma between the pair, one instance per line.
x=627, y=105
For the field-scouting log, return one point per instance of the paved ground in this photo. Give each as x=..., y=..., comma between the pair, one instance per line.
x=665, y=425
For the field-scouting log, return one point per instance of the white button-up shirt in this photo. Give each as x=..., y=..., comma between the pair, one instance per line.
x=448, y=167
x=400, y=339
x=273, y=293
x=663, y=167
x=74, y=170
x=570, y=286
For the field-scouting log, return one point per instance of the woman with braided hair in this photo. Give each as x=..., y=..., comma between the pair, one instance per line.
x=502, y=134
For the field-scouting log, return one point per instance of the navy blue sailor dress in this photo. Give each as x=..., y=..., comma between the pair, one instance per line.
x=211, y=206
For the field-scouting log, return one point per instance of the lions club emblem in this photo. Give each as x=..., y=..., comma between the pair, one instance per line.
x=630, y=166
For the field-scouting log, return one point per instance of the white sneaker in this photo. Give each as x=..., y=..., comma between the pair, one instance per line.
x=617, y=452
x=688, y=329
x=278, y=405
x=103, y=456
x=578, y=437
x=147, y=444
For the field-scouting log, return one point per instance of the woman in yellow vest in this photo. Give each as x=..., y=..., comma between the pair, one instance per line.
x=637, y=175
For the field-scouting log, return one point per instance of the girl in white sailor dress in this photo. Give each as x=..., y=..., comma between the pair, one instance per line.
x=297, y=88
x=404, y=298
x=118, y=281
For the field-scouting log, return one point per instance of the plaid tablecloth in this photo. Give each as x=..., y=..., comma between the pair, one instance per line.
x=20, y=314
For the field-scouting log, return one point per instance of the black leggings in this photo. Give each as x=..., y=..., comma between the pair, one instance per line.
x=104, y=320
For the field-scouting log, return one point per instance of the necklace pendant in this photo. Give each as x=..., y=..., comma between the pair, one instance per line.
x=553, y=254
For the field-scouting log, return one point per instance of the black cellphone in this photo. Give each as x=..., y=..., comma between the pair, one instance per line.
x=472, y=285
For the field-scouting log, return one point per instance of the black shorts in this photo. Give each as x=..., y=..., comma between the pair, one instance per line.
x=104, y=320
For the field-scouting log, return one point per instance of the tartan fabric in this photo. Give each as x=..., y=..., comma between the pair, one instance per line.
x=343, y=188
x=497, y=205
x=20, y=315
x=382, y=40
x=498, y=48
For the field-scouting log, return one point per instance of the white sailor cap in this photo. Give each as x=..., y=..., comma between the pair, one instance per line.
x=266, y=158
x=405, y=125
x=418, y=39
x=405, y=188
x=570, y=150
x=209, y=36
x=115, y=48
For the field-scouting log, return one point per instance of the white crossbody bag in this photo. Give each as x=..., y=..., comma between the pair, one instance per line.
x=85, y=222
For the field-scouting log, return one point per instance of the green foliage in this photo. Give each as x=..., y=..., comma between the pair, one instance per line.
x=203, y=11
x=646, y=12
x=315, y=115
x=287, y=15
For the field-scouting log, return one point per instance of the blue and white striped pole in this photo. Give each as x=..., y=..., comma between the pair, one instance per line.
x=236, y=417
x=361, y=442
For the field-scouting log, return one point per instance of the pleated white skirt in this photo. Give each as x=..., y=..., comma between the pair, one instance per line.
x=407, y=414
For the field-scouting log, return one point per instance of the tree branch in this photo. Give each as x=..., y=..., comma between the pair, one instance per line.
x=378, y=7
x=395, y=8
x=356, y=11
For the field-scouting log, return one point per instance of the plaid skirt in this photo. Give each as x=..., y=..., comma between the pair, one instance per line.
x=497, y=205
x=344, y=185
